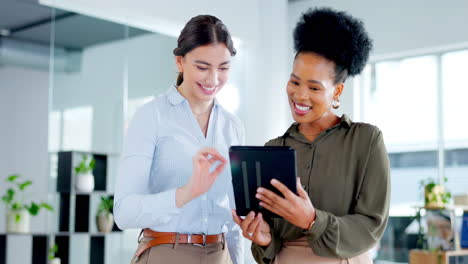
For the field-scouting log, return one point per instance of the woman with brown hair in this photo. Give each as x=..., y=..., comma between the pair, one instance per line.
x=340, y=210
x=172, y=182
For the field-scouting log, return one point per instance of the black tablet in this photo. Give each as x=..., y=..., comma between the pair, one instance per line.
x=255, y=166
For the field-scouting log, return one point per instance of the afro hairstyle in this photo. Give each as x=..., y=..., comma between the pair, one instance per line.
x=335, y=35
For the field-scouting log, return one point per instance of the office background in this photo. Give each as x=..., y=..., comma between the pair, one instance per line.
x=73, y=72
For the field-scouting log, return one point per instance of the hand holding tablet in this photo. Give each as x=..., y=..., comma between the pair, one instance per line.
x=253, y=167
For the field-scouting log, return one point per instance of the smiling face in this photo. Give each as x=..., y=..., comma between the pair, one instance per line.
x=205, y=70
x=311, y=88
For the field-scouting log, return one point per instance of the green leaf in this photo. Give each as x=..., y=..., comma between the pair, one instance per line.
x=12, y=178
x=106, y=205
x=92, y=164
x=16, y=206
x=11, y=192
x=9, y=196
x=84, y=166
x=33, y=209
x=23, y=185
x=46, y=206
x=446, y=197
x=430, y=186
x=17, y=218
x=52, y=251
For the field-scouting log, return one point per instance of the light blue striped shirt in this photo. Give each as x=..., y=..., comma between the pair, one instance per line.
x=161, y=140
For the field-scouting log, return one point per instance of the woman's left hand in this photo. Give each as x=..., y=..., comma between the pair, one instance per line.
x=296, y=209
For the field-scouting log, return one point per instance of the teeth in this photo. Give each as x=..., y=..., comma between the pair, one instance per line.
x=208, y=88
x=302, y=108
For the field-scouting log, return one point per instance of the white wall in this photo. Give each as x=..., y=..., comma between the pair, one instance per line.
x=264, y=104
x=23, y=134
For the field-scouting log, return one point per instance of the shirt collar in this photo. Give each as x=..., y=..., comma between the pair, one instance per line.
x=175, y=97
x=345, y=120
x=293, y=130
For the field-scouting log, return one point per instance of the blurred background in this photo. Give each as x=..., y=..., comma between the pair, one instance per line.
x=73, y=73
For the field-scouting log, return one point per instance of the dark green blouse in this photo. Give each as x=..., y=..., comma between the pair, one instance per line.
x=346, y=173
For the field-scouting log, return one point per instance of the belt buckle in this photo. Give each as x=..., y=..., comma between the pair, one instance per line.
x=197, y=244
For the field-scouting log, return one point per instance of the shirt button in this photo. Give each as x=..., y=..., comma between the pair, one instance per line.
x=308, y=166
x=204, y=197
x=205, y=219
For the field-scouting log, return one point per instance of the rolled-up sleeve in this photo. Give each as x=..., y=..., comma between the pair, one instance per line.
x=135, y=206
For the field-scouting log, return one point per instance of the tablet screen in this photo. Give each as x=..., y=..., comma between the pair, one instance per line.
x=255, y=166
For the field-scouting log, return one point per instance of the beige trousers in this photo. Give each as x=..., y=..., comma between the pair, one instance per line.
x=183, y=254
x=299, y=252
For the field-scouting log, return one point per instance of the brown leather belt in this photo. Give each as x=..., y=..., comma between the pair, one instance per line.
x=172, y=238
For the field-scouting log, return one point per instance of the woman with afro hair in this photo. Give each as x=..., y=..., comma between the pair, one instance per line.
x=340, y=210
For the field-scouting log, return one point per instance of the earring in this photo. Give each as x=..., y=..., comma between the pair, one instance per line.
x=336, y=103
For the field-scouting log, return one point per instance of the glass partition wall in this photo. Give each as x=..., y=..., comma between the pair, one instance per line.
x=102, y=72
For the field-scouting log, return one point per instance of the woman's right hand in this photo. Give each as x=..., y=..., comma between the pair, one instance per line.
x=202, y=178
x=254, y=228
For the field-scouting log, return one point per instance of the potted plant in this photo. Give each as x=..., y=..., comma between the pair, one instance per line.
x=52, y=258
x=84, y=175
x=434, y=240
x=104, y=217
x=435, y=196
x=17, y=211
